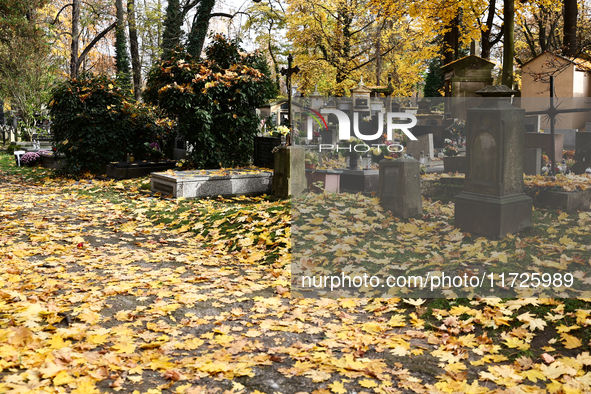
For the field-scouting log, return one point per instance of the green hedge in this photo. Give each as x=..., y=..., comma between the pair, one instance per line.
x=214, y=100
x=94, y=124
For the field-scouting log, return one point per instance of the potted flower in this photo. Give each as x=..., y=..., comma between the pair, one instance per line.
x=30, y=159
x=283, y=133
x=154, y=151
x=450, y=149
x=311, y=160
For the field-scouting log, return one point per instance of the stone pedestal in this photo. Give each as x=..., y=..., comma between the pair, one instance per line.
x=289, y=172
x=359, y=181
x=532, y=161
x=493, y=202
x=400, y=187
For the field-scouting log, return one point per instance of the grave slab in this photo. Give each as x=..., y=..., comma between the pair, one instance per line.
x=209, y=183
x=567, y=201
x=360, y=181
x=568, y=141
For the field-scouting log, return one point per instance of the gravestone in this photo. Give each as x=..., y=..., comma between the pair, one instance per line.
x=582, y=152
x=532, y=123
x=493, y=202
x=400, y=187
x=569, y=137
x=588, y=126
x=532, y=161
x=289, y=171
x=544, y=141
x=263, y=151
x=360, y=181
x=424, y=143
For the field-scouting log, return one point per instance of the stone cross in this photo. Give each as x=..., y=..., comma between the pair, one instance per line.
x=287, y=73
x=552, y=112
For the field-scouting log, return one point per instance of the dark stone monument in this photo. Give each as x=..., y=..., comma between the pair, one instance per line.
x=582, y=152
x=263, y=151
x=544, y=141
x=400, y=187
x=493, y=202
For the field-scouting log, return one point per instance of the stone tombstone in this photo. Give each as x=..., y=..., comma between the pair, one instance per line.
x=423, y=144
x=532, y=123
x=588, y=126
x=582, y=152
x=493, y=202
x=568, y=137
x=544, y=141
x=532, y=161
x=289, y=171
x=399, y=187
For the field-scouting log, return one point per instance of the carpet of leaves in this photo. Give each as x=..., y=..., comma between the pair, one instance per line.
x=106, y=287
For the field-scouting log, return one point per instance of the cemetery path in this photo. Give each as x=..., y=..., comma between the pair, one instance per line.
x=105, y=287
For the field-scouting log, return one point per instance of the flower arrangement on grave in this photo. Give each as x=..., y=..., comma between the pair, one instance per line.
x=457, y=129
x=450, y=148
x=353, y=142
x=282, y=131
x=569, y=154
x=30, y=158
x=154, y=150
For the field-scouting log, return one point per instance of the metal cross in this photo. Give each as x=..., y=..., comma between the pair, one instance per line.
x=552, y=112
x=288, y=72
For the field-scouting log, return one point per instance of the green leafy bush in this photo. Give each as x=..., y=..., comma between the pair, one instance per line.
x=214, y=101
x=94, y=124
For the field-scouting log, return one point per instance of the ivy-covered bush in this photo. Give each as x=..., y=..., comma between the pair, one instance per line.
x=94, y=124
x=214, y=100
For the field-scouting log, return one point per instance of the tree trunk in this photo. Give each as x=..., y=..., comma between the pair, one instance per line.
x=136, y=65
x=569, y=41
x=171, y=37
x=199, y=28
x=451, y=42
x=74, y=62
x=509, y=43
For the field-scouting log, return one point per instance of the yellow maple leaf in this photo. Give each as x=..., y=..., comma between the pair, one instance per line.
x=124, y=347
x=62, y=378
x=533, y=375
x=89, y=317
x=570, y=342
x=337, y=388
x=367, y=383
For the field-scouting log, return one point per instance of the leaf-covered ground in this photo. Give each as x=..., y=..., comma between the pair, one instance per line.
x=105, y=287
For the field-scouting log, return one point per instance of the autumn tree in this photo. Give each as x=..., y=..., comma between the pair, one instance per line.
x=268, y=20
x=25, y=66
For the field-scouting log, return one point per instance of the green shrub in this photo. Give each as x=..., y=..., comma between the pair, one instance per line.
x=94, y=124
x=11, y=148
x=214, y=101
